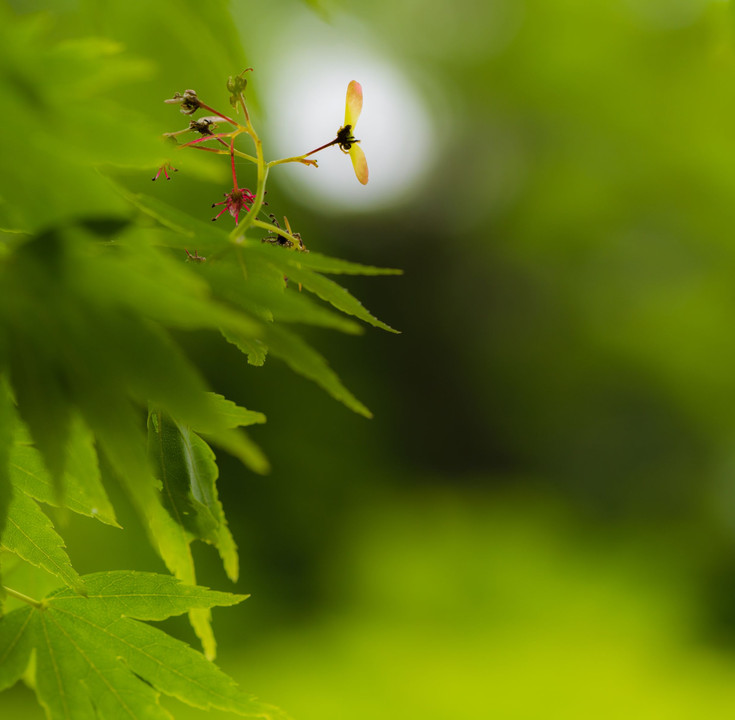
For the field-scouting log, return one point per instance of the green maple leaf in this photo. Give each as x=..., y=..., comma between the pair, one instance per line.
x=185, y=466
x=94, y=659
x=81, y=487
x=30, y=534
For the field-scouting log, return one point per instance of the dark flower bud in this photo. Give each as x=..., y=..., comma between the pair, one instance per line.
x=203, y=126
x=189, y=101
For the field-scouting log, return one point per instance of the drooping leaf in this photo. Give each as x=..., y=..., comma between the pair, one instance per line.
x=30, y=534
x=258, y=286
x=124, y=445
x=254, y=349
x=319, y=263
x=121, y=439
x=188, y=472
x=186, y=468
x=43, y=399
x=95, y=659
x=237, y=443
x=82, y=479
x=306, y=361
x=233, y=415
x=334, y=294
x=297, y=267
x=81, y=487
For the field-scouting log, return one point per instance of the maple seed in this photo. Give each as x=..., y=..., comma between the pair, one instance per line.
x=345, y=139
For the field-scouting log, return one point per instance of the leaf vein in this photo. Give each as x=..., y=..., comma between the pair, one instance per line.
x=61, y=570
x=55, y=665
x=93, y=667
x=105, y=630
x=16, y=639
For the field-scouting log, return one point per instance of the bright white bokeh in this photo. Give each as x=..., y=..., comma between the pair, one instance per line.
x=303, y=96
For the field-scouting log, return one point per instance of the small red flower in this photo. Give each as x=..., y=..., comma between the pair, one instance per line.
x=235, y=201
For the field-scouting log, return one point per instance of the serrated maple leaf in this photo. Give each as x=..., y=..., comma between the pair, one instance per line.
x=94, y=659
x=30, y=534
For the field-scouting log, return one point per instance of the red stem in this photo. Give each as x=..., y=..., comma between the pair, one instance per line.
x=204, y=138
x=329, y=144
x=232, y=157
x=224, y=117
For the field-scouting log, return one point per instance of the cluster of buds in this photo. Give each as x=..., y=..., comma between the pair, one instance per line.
x=236, y=86
x=241, y=203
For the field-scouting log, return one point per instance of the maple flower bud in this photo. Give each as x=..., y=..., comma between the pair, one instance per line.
x=203, y=126
x=189, y=101
x=236, y=85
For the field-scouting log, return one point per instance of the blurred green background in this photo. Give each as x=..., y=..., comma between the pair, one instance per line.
x=540, y=520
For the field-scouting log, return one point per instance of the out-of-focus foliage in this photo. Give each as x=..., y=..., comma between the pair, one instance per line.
x=586, y=206
x=491, y=606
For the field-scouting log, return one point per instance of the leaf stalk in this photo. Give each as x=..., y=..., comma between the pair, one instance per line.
x=25, y=598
